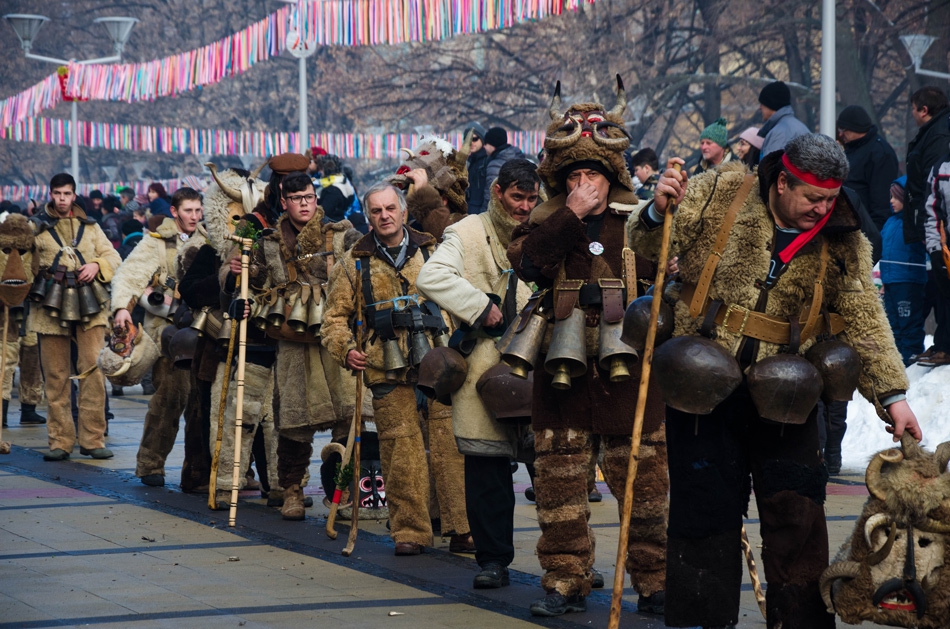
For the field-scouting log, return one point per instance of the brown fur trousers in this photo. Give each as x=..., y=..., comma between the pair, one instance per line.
x=566, y=546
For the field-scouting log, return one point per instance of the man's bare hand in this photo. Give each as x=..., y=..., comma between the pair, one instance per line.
x=904, y=419
x=356, y=360
x=122, y=318
x=88, y=272
x=672, y=186
x=418, y=176
x=235, y=265
x=583, y=200
x=672, y=266
x=493, y=318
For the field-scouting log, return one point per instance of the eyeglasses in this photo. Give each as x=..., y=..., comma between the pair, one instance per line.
x=300, y=199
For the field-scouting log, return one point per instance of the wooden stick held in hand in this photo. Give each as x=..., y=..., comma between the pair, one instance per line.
x=646, y=364
x=357, y=420
x=246, y=244
x=222, y=406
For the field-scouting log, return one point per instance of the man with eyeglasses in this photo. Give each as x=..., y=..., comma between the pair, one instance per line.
x=390, y=258
x=292, y=263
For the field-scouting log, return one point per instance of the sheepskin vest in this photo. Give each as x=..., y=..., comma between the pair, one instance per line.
x=848, y=288
x=387, y=283
x=93, y=247
x=469, y=263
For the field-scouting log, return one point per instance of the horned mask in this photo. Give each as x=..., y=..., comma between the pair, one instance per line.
x=585, y=131
x=895, y=568
x=446, y=167
x=230, y=197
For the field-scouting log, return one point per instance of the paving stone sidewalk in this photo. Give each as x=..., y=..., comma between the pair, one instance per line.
x=83, y=542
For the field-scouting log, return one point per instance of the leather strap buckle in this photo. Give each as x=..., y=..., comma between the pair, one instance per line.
x=745, y=317
x=612, y=305
x=566, y=297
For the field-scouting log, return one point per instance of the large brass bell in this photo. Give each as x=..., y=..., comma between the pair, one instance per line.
x=275, y=315
x=315, y=314
x=224, y=334
x=69, y=310
x=54, y=299
x=567, y=354
x=40, y=285
x=297, y=320
x=393, y=360
x=523, y=349
x=101, y=293
x=200, y=321
x=88, y=305
x=636, y=323
x=502, y=344
x=418, y=347
x=615, y=355
x=259, y=315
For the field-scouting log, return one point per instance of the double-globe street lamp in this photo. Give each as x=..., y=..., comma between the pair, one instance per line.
x=28, y=25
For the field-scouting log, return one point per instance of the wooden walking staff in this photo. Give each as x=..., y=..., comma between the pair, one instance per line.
x=646, y=364
x=357, y=420
x=246, y=244
x=4, y=445
x=338, y=493
x=753, y=573
x=222, y=405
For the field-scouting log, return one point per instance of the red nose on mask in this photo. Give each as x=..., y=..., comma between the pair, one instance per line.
x=403, y=170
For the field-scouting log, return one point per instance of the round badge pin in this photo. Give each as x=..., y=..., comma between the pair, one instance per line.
x=595, y=248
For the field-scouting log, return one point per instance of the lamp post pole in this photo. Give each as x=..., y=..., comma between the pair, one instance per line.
x=828, y=79
x=27, y=26
x=300, y=48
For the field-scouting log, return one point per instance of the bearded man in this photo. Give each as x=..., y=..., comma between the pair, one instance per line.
x=572, y=247
x=153, y=264
x=459, y=276
x=768, y=262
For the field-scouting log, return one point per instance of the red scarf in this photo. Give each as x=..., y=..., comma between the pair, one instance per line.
x=804, y=238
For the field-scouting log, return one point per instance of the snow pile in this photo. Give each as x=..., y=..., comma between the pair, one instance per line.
x=929, y=398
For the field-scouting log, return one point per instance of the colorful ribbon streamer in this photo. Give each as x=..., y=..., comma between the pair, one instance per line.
x=262, y=144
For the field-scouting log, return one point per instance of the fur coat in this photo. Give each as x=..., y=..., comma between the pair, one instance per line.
x=848, y=289
x=553, y=242
x=427, y=208
x=156, y=256
x=94, y=247
x=468, y=264
x=387, y=283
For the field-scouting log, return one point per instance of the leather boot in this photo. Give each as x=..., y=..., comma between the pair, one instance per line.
x=29, y=416
x=293, y=508
x=6, y=406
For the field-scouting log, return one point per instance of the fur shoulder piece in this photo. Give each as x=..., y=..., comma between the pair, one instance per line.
x=16, y=233
x=311, y=238
x=166, y=230
x=339, y=226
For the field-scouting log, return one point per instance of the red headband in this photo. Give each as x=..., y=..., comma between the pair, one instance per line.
x=828, y=184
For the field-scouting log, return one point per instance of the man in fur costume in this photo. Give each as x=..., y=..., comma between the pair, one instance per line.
x=16, y=269
x=391, y=256
x=788, y=263
x=575, y=239
x=72, y=248
x=149, y=268
x=468, y=265
x=435, y=178
x=291, y=262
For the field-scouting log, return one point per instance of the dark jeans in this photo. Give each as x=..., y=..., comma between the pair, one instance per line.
x=714, y=461
x=904, y=304
x=490, y=502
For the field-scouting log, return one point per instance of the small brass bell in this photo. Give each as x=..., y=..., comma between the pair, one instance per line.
x=298, y=316
x=524, y=347
x=275, y=315
x=393, y=360
x=88, y=305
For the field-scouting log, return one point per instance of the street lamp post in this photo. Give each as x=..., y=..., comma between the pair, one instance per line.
x=917, y=46
x=301, y=49
x=27, y=26
x=828, y=79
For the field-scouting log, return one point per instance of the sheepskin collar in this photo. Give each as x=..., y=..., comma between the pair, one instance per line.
x=167, y=229
x=46, y=218
x=503, y=223
x=366, y=246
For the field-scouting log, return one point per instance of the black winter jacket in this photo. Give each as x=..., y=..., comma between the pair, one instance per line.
x=924, y=151
x=475, y=194
x=873, y=166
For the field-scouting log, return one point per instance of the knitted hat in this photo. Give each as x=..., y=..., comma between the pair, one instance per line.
x=751, y=135
x=496, y=136
x=478, y=131
x=897, y=191
x=131, y=226
x=854, y=118
x=775, y=96
x=717, y=133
